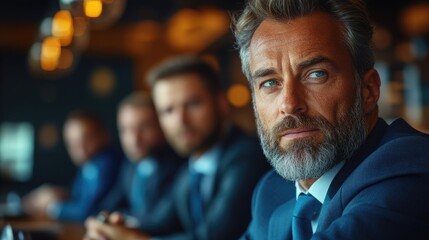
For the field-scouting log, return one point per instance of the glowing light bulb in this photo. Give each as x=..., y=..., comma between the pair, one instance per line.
x=238, y=95
x=62, y=27
x=93, y=8
x=50, y=54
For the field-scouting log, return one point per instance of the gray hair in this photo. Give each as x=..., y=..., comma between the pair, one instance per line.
x=351, y=14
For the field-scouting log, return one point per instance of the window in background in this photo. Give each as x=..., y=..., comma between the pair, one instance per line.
x=16, y=150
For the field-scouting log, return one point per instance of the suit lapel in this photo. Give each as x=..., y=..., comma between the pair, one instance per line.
x=328, y=212
x=151, y=190
x=183, y=207
x=280, y=225
x=129, y=176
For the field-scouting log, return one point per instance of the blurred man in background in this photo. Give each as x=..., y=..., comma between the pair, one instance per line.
x=145, y=180
x=88, y=144
x=212, y=194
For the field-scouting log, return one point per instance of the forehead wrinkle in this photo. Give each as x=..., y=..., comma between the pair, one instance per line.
x=263, y=44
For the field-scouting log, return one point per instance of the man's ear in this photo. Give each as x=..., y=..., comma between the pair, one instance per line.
x=370, y=90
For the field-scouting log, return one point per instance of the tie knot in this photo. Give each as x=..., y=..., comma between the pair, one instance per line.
x=306, y=206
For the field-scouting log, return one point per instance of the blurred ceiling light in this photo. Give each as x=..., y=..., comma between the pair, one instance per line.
x=102, y=81
x=62, y=27
x=238, y=95
x=50, y=53
x=93, y=8
x=141, y=35
x=111, y=11
x=415, y=19
x=194, y=30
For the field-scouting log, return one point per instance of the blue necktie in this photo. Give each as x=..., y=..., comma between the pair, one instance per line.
x=137, y=193
x=196, y=199
x=305, y=208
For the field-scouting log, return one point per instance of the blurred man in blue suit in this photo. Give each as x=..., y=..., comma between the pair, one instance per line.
x=212, y=194
x=88, y=144
x=311, y=69
x=145, y=180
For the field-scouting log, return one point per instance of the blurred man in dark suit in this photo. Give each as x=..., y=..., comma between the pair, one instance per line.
x=146, y=178
x=88, y=144
x=212, y=194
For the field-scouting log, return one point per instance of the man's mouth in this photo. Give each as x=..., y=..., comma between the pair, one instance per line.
x=298, y=133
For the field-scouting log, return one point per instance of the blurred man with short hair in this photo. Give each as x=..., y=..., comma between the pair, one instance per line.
x=212, y=194
x=146, y=177
x=88, y=144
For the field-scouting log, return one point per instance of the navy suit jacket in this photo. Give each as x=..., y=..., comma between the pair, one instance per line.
x=241, y=164
x=93, y=180
x=380, y=193
x=157, y=187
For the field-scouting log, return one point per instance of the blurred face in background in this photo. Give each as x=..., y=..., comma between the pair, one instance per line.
x=139, y=131
x=188, y=112
x=83, y=140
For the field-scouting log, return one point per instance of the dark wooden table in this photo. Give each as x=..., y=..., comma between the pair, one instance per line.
x=45, y=229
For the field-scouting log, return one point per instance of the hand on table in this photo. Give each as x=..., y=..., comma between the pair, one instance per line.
x=36, y=203
x=112, y=229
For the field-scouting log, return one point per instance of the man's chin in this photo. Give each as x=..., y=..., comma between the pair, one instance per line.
x=183, y=151
x=298, y=145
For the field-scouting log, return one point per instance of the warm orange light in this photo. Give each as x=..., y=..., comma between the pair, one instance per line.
x=415, y=19
x=62, y=27
x=193, y=30
x=50, y=54
x=238, y=95
x=93, y=8
x=103, y=81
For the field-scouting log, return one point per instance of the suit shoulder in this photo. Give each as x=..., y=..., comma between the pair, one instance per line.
x=274, y=188
x=271, y=192
x=399, y=129
x=240, y=143
x=403, y=144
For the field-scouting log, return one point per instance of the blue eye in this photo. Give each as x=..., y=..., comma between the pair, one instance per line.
x=317, y=74
x=269, y=83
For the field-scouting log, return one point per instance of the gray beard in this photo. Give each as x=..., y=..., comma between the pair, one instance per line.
x=305, y=158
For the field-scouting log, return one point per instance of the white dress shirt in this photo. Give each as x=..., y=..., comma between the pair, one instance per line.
x=207, y=165
x=319, y=189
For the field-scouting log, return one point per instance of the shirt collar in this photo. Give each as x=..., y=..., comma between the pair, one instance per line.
x=206, y=163
x=146, y=166
x=320, y=187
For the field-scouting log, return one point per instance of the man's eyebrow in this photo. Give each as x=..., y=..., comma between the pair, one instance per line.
x=313, y=61
x=260, y=73
x=263, y=73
